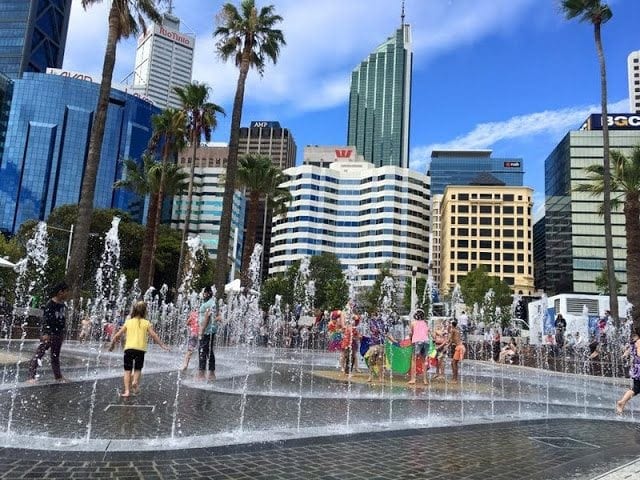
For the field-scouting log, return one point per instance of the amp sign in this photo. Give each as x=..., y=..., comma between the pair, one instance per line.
x=265, y=124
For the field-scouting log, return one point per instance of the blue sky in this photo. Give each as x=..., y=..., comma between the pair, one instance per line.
x=508, y=75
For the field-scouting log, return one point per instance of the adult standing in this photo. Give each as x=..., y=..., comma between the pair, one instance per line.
x=561, y=327
x=54, y=328
x=207, y=336
x=463, y=322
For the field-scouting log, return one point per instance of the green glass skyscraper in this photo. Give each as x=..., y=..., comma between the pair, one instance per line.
x=380, y=102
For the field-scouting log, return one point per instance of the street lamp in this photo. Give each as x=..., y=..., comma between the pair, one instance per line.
x=70, y=231
x=414, y=294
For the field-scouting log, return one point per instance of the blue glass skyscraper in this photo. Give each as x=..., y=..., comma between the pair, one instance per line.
x=33, y=34
x=47, y=141
x=461, y=167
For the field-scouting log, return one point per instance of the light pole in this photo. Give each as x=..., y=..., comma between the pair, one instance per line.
x=70, y=231
x=414, y=294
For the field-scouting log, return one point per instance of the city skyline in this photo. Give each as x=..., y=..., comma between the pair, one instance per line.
x=506, y=75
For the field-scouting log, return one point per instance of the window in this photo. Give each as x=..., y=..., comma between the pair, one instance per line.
x=485, y=232
x=485, y=244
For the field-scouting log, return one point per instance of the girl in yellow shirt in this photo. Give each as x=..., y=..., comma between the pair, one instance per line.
x=137, y=327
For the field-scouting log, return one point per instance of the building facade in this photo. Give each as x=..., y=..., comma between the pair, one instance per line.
x=459, y=167
x=270, y=139
x=324, y=156
x=33, y=34
x=366, y=216
x=380, y=102
x=574, y=231
x=633, y=71
x=206, y=205
x=47, y=142
x=164, y=60
x=487, y=226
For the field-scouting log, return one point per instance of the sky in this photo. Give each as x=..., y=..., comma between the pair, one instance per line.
x=513, y=76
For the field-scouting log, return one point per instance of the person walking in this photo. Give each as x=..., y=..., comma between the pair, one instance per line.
x=137, y=328
x=53, y=332
x=419, y=331
x=207, y=335
x=561, y=327
x=459, y=351
x=634, y=372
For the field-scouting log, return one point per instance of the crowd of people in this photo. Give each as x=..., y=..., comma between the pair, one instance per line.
x=347, y=332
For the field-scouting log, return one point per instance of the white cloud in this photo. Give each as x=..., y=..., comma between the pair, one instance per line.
x=484, y=135
x=325, y=41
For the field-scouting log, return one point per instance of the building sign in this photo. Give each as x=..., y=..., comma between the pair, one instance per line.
x=615, y=121
x=88, y=78
x=343, y=152
x=265, y=124
x=174, y=36
x=511, y=164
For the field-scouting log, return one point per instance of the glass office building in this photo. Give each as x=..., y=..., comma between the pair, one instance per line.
x=33, y=34
x=460, y=167
x=380, y=102
x=47, y=142
x=574, y=228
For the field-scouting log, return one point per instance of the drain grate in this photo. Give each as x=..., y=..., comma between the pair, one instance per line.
x=564, y=442
x=120, y=405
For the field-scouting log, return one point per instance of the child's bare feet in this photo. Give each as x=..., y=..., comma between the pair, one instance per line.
x=125, y=395
x=31, y=381
x=411, y=382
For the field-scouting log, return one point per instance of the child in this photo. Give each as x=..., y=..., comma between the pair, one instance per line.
x=192, y=343
x=137, y=328
x=420, y=340
x=459, y=351
x=634, y=372
x=349, y=348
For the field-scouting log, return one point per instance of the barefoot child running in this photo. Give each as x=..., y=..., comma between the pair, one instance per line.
x=136, y=329
x=634, y=372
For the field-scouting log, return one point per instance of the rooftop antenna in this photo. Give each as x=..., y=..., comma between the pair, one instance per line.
x=401, y=14
x=170, y=9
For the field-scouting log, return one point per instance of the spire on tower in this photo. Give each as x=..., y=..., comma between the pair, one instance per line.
x=170, y=9
x=402, y=14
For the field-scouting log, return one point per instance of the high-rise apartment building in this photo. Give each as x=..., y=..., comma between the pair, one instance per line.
x=206, y=205
x=633, y=69
x=574, y=233
x=164, y=60
x=33, y=34
x=270, y=139
x=366, y=215
x=487, y=226
x=459, y=167
x=380, y=102
x=47, y=141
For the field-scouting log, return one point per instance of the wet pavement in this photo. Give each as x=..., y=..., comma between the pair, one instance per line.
x=280, y=415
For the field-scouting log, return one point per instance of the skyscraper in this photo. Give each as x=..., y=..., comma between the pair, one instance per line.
x=380, y=102
x=270, y=139
x=459, y=167
x=164, y=60
x=33, y=34
x=633, y=68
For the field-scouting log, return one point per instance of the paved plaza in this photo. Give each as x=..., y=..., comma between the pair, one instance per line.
x=290, y=414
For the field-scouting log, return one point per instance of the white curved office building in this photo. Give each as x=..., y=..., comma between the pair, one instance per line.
x=365, y=215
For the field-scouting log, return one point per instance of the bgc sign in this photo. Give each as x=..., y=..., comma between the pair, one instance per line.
x=615, y=121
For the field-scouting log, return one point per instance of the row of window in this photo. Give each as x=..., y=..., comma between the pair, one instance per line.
x=489, y=221
x=495, y=256
x=371, y=244
x=487, y=232
x=339, y=223
x=362, y=181
x=497, y=244
x=505, y=197
x=489, y=268
x=381, y=188
x=489, y=209
x=351, y=234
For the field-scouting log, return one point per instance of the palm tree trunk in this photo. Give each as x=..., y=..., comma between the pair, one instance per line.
x=632, y=227
x=222, y=266
x=250, y=236
x=158, y=218
x=608, y=233
x=187, y=218
x=87, y=193
x=146, y=256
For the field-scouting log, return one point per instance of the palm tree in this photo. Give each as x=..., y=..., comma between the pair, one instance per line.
x=169, y=131
x=597, y=13
x=262, y=180
x=201, y=115
x=151, y=178
x=625, y=180
x=248, y=37
x=126, y=18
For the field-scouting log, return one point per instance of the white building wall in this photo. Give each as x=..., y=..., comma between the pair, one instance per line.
x=633, y=68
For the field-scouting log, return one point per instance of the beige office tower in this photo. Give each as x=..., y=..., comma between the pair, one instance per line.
x=164, y=60
x=633, y=67
x=489, y=226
